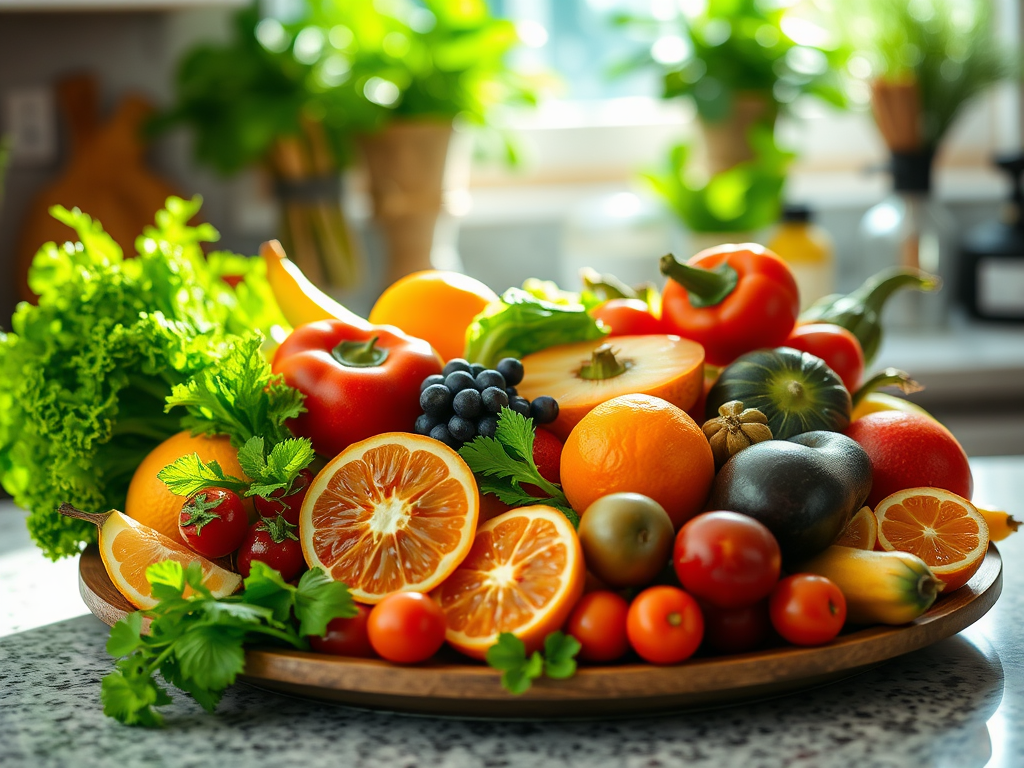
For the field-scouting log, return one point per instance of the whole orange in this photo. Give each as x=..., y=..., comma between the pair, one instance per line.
x=434, y=305
x=151, y=503
x=640, y=444
x=908, y=450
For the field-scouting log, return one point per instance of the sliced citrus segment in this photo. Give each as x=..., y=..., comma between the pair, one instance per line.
x=943, y=529
x=523, y=575
x=861, y=532
x=394, y=513
x=128, y=548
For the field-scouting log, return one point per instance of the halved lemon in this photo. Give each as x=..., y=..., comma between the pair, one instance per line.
x=393, y=513
x=523, y=575
x=861, y=532
x=128, y=548
x=943, y=529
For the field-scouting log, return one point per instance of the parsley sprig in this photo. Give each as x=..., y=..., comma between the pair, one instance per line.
x=519, y=670
x=504, y=463
x=196, y=641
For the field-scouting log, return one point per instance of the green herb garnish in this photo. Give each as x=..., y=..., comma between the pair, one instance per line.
x=519, y=670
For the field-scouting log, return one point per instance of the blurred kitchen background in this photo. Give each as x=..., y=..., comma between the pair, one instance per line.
x=531, y=138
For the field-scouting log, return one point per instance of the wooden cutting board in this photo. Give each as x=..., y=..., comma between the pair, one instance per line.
x=105, y=175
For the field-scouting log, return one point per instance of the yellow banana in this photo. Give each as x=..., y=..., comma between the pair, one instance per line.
x=1000, y=524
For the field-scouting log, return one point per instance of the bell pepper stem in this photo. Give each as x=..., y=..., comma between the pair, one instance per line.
x=360, y=354
x=877, y=289
x=890, y=377
x=705, y=287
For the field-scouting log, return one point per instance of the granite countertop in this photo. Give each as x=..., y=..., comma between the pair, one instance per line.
x=956, y=704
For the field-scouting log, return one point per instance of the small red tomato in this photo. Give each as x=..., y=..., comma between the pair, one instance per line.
x=345, y=637
x=289, y=506
x=664, y=625
x=627, y=317
x=598, y=622
x=807, y=609
x=213, y=522
x=835, y=345
x=735, y=630
x=273, y=542
x=406, y=627
x=728, y=559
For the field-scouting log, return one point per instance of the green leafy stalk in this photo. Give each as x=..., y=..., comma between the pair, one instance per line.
x=197, y=643
x=519, y=671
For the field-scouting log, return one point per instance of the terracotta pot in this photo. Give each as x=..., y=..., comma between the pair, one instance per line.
x=406, y=164
x=726, y=141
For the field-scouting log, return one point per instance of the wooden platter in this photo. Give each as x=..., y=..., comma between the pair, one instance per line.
x=452, y=686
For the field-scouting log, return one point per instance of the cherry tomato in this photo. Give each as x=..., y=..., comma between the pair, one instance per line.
x=807, y=609
x=406, y=627
x=289, y=506
x=835, y=345
x=728, y=559
x=213, y=522
x=599, y=623
x=627, y=317
x=664, y=625
x=345, y=637
x=735, y=630
x=272, y=541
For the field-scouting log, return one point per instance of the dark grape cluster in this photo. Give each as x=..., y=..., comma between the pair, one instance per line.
x=464, y=400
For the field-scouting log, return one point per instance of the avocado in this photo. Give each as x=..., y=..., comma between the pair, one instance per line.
x=804, y=489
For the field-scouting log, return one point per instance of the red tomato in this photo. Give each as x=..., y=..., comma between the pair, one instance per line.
x=213, y=522
x=288, y=506
x=406, y=627
x=345, y=637
x=274, y=543
x=599, y=623
x=627, y=317
x=835, y=345
x=807, y=609
x=735, y=630
x=728, y=559
x=664, y=625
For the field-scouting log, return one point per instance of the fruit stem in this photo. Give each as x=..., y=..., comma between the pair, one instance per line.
x=360, y=354
x=890, y=377
x=704, y=287
x=928, y=586
x=874, y=293
x=96, y=518
x=603, y=365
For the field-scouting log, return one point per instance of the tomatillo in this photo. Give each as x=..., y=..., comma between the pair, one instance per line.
x=626, y=538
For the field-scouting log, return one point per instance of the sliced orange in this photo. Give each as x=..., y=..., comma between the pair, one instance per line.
x=128, y=548
x=861, y=532
x=393, y=513
x=524, y=575
x=943, y=529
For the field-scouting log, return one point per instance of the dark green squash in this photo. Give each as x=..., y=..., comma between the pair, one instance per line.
x=797, y=391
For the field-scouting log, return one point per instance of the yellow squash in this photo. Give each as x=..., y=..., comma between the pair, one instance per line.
x=1000, y=524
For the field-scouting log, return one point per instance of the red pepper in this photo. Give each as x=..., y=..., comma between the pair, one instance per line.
x=731, y=299
x=358, y=382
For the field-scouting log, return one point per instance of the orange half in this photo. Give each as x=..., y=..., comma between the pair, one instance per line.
x=943, y=529
x=523, y=575
x=394, y=513
x=128, y=548
x=861, y=532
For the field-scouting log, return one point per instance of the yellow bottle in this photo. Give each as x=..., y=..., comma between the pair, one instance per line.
x=807, y=249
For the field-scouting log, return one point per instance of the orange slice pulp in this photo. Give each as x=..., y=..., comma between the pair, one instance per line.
x=523, y=575
x=128, y=548
x=943, y=529
x=393, y=513
x=861, y=532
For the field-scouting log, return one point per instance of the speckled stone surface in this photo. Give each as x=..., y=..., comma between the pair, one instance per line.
x=957, y=704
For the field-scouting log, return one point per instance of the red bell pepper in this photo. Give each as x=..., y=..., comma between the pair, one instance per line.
x=731, y=299
x=358, y=382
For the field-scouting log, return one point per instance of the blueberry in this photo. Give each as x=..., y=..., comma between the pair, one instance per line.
x=468, y=404
x=490, y=379
x=456, y=364
x=520, y=405
x=493, y=399
x=544, y=409
x=437, y=378
x=461, y=429
x=477, y=369
x=487, y=426
x=425, y=422
x=458, y=381
x=436, y=399
x=440, y=432
x=511, y=392
x=511, y=369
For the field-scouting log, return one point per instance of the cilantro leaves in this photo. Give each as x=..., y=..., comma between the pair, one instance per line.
x=519, y=670
x=503, y=463
x=197, y=642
